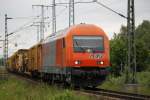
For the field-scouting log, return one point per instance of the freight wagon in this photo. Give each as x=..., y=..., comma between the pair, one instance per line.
x=18, y=61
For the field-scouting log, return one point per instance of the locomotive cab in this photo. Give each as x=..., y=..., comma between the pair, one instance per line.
x=91, y=47
x=87, y=50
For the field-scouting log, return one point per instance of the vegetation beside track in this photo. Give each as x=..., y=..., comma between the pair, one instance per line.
x=13, y=89
x=118, y=84
x=118, y=49
x=118, y=55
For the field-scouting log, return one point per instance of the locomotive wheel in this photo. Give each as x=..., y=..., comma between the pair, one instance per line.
x=49, y=77
x=43, y=78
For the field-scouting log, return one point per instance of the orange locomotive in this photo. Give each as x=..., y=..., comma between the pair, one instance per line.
x=78, y=55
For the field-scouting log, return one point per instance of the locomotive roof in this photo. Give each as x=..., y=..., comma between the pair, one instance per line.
x=64, y=32
x=59, y=34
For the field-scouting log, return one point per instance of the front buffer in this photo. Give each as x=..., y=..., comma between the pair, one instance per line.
x=86, y=76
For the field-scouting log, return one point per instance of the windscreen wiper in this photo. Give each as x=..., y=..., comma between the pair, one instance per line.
x=79, y=45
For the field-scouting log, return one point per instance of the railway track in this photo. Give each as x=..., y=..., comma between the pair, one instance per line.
x=95, y=91
x=25, y=77
x=116, y=94
x=3, y=73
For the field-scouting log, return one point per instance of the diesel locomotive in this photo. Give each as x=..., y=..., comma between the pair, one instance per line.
x=77, y=55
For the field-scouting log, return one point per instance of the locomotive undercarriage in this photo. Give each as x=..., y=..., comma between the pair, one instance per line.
x=88, y=77
x=78, y=77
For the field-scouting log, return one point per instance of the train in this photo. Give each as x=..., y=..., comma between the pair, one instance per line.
x=78, y=56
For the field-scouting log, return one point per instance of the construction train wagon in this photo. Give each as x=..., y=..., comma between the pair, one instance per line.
x=78, y=55
x=18, y=61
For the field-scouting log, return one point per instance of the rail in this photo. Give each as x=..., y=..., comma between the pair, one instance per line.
x=3, y=73
x=116, y=94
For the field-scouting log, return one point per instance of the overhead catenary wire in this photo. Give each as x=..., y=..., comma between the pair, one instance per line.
x=28, y=17
x=98, y=2
x=25, y=26
x=64, y=3
x=58, y=14
x=93, y=1
x=22, y=27
x=103, y=5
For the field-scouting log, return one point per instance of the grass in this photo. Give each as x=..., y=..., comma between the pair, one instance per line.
x=118, y=84
x=144, y=81
x=113, y=83
x=13, y=89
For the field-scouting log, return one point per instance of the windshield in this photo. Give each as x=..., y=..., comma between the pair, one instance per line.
x=88, y=43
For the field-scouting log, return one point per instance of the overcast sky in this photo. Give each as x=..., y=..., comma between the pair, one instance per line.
x=84, y=13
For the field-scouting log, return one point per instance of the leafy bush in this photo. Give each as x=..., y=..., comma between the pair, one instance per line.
x=113, y=83
x=144, y=79
x=118, y=84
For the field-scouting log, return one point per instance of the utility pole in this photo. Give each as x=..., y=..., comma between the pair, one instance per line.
x=42, y=24
x=3, y=62
x=71, y=13
x=71, y=9
x=53, y=17
x=6, y=42
x=131, y=65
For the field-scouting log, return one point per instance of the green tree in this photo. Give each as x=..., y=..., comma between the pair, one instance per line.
x=143, y=45
x=118, y=51
x=1, y=61
x=118, y=47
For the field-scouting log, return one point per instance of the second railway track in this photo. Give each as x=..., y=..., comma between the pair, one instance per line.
x=116, y=94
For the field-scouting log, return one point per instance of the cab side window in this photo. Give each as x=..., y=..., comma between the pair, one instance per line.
x=63, y=42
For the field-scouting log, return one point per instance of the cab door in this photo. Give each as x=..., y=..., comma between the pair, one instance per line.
x=60, y=52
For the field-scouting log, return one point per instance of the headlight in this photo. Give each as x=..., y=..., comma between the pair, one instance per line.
x=77, y=62
x=101, y=62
